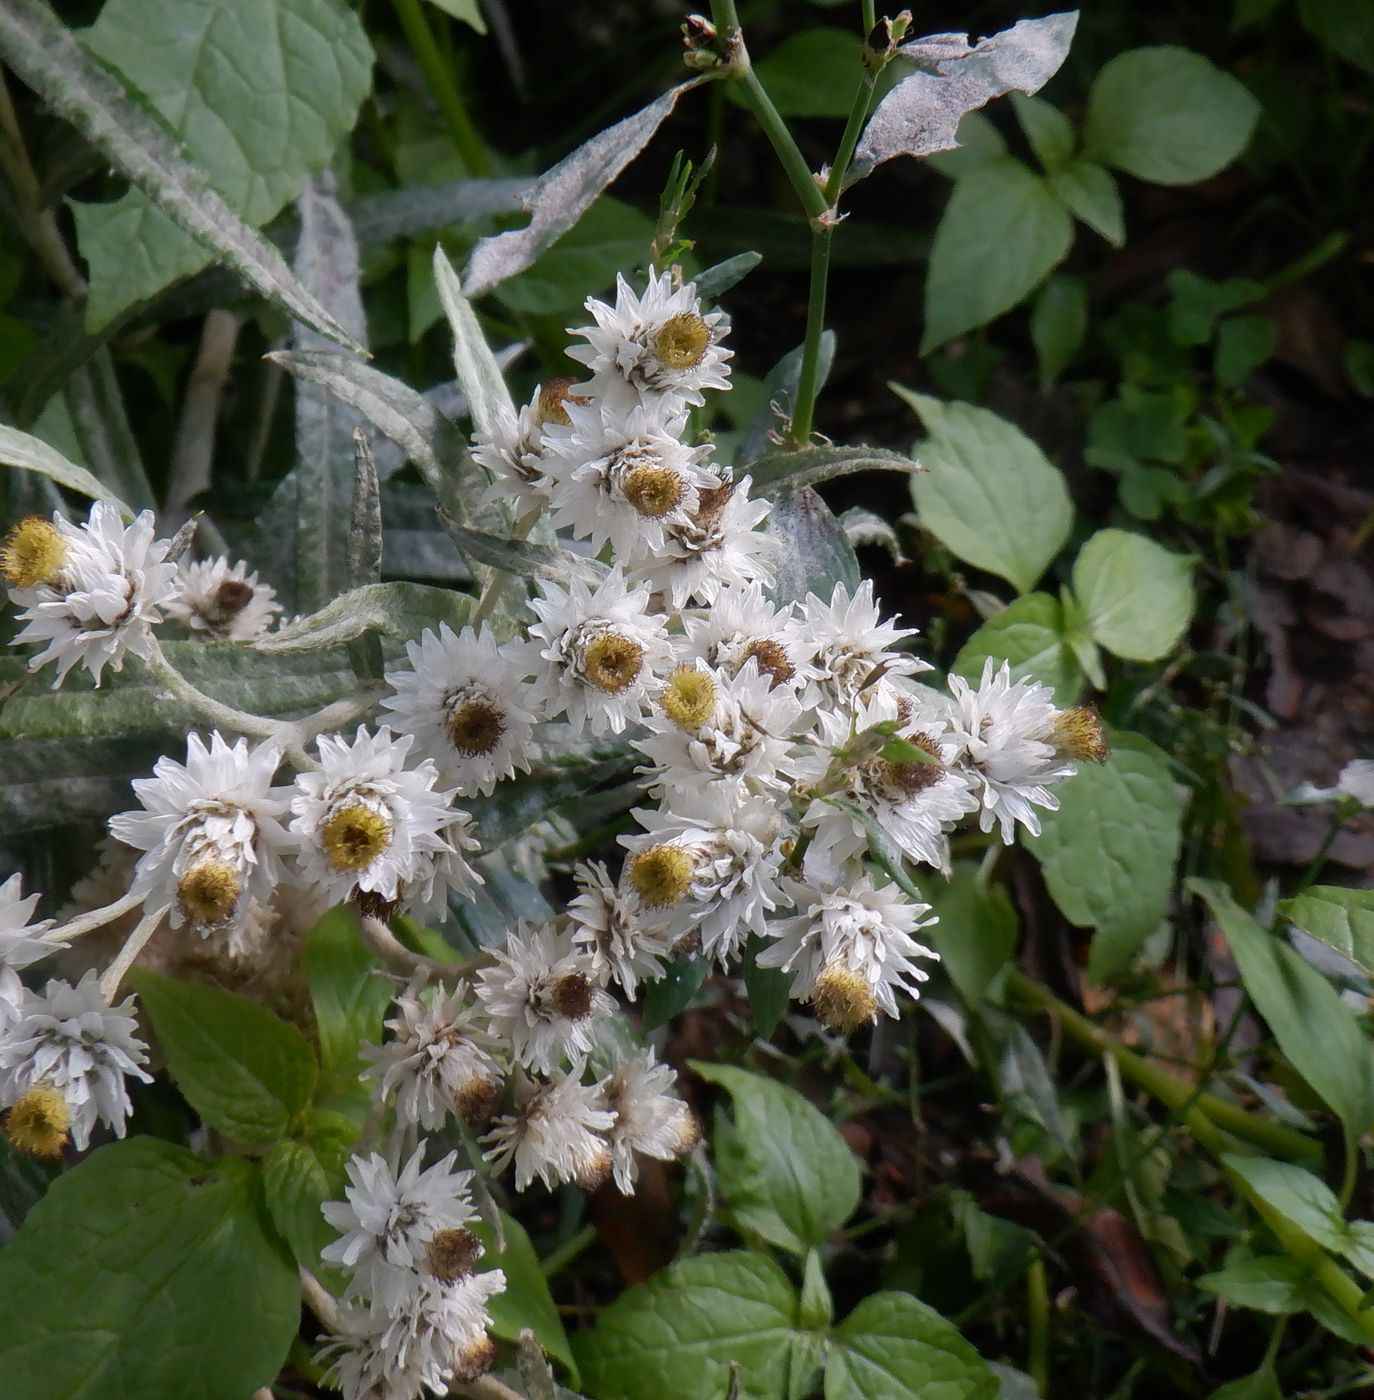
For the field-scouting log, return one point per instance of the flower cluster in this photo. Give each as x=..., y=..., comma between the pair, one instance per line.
x=791, y=760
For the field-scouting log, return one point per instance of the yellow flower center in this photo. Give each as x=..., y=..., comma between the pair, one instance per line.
x=613, y=662
x=682, y=340
x=208, y=892
x=842, y=998
x=654, y=491
x=662, y=875
x=689, y=697
x=553, y=395
x=476, y=727
x=354, y=837
x=452, y=1253
x=38, y=1122
x=771, y=658
x=1078, y=733
x=33, y=553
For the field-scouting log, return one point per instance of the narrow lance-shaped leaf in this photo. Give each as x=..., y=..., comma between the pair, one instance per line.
x=46, y=56
x=559, y=197
x=776, y=473
x=365, y=528
x=33, y=454
x=920, y=116
x=478, y=372
x=523, y=558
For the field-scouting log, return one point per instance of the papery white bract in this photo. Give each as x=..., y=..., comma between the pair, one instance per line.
x=850, y=645
x=741, y=624
x=609, y=927
x=557, y=1134
x=21, y=945
x=215, y=600
x=648, y=1118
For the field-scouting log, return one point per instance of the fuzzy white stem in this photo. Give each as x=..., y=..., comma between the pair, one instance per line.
x=133, y=946
x=320, y=1301
x=97, y=918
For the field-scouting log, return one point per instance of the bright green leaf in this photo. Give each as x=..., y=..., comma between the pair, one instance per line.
x=791, y=1195
x=976, y=935
x=1029, y=633
x=1058, y=323
x=146, y=1271
x=468, y=11
x=1137, y=596
x=349, y=996
x=1168, y=115
x=295, y=1185
x=1089, y=192
x=246, y=1072
x=988, y=493
x=1343, y=918
x=1295, y=1193
x=1260, y=1385
x=1001, y=234
x=1273, y=1284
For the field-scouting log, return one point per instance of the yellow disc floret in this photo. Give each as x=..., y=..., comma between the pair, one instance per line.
x=613, y=662
x=682, y=340
x=654, y=491
x=208, y=892
x=689, y=697
x=1078, y=733
x=33, y=553
x=662, y=875
x=354, y=837
x=842, y=998
x=39, y=1121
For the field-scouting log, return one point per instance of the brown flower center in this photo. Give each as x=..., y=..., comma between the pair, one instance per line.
x=452, y=1254
x=654, y=491
x=475, y=727
x=771, y=657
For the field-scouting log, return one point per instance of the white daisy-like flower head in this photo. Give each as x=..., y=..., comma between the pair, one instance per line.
x=21, y=945
x=596, y=653
x=744, y=742
x=851, y=645
x=742, y=625
x=1008, y=735
x=514, y=452
x=850, y=949
x=718, y=545
x=463, y=698
x=623, y=479
x=558, y=1134
x=649, y=1118
x=653, y=347
x=210, y=833
x=709, y=867
x=437, y=1061
x=541, y=997
x=619, y=943
x=389, y=1221
x=368, y=824
x=913, y=798
x=1355, y=781
x=223, y=603
x=97, y=588
x=67, y=1039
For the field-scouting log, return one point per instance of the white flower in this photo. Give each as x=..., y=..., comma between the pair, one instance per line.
x=594, y=652
x=389, y=1221
x=850, y=949
x=540, y=997
x=68, y=1039
x=745, y=743
x=557, y=1135
x=104, y=595
x=652, y=347
x=912, y=802
x=709, y=867
x=1008, y=735
x=463, y=699
x=741, y=624
x=21, y=944
x=436, y=1062
x=1355, y=781
x=369, y=824
x=228, y=604
x=210, y=834
x=648, y=1118
x=514, y=452
x=609, y=928
x=621, y=479
x=849, y=644
x=713, y=548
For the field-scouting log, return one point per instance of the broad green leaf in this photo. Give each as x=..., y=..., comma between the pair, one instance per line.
x=1088, y=191
x=979, y=140
x=527, y=1301
x=1315, y=1031
x=390, y=609
x=988, y=493
x=1029, y=633
x=1136, y=596
x=1108, y=853
x=1198, y=303
x=1271, y=1284
x=893, y=1344
x=294, y=1186
x=1343, y=918
x=348, y=996
x=775, y=473
x=1298, y=1195
x=468, y=11
x=46, y=56
x=1058, y=323
x=1001, y=234
x=976, y=935
x=1168, y=115
x=146, y=1271
x=814, y=554
x=812, y=73
x=795, y=1179
x=220, y=77
x=246, y=1072
x=675, y=1337
x=669, y=994
x=33, y=454
x=767, y=989
x=1048, y=130
x=479, y=375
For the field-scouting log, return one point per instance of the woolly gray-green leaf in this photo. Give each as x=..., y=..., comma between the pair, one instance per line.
x=33, y=454
x=392, y=609
x=777, y=472
x=479, y=375
x=814, y=554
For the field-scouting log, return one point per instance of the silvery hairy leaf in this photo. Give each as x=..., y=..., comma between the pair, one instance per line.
x=33, y=454
x=365, y=527
x=776, y=473
x=921, y=115
x=391, y=609
x=46, y=56
x=560, y=196
x=523, y=558
x=478, y=372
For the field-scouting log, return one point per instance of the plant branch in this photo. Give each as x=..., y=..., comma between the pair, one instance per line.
x=133, y=946
x=444, y=90
x=96, y=918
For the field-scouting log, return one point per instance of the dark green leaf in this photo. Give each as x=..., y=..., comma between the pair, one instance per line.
x=672, y=992
x=527, y=1301
x=1340, y=917
x=1089, y=193
x=295, y=1186
x=813, y=73
x=976, y=935
x=1059, y=321
x=767, y=988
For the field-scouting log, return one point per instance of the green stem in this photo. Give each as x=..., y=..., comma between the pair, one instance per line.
x=445, y=91
x=500, y=579
x=809, y=375
x=1175, y=1093
x=1351, y=1169
x=1038, y=1322
x=566, y=1252
x=1318, y=862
